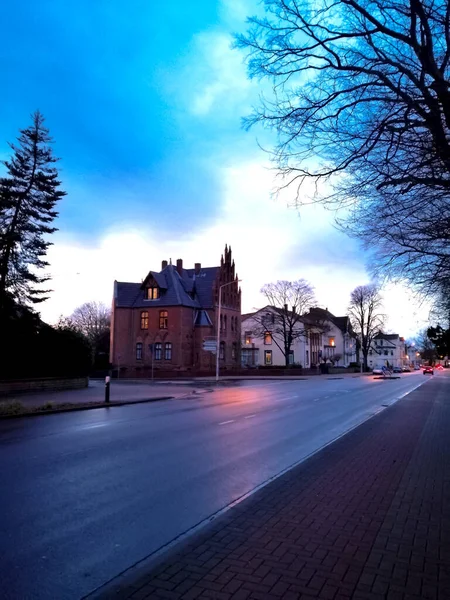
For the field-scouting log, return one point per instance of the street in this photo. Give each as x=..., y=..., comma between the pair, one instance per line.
x=87, y=495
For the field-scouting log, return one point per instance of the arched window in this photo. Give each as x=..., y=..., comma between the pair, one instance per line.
x=222, y=351
x=139, y=351
x=168, y=351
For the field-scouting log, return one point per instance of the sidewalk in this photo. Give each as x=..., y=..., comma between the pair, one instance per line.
x=366, y=518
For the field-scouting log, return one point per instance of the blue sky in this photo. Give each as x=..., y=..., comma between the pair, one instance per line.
x=144, y=100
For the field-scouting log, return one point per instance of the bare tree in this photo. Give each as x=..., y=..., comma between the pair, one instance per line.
x=93, y=320
x=362, y=101
x=366, y=316
x=282, y=321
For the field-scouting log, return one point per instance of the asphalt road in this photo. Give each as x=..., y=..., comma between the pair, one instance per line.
x=86, y=495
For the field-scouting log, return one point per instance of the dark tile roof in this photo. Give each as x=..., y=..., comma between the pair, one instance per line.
x=386, y=336
x=176, y=289
x=204, y=285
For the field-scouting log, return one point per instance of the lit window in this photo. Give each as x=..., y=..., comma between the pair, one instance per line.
x=222, y=350
x=331, y=341
x=168, y=351
x=144, y=319
x=248, y=337
x=267, y=357
x=163, y=319
x=152, y=293
x=267, y=339
x=158, y=351
x=139, y=351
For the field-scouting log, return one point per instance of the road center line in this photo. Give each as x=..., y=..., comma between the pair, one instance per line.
x=249, y=416
x=226, y=422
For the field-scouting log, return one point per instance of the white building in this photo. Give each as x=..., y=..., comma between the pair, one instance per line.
x=387, y=348
x=321, y=337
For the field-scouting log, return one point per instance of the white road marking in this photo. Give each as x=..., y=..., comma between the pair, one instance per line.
x=249, y=416
x=226, y=422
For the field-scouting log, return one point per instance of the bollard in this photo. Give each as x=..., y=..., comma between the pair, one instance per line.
x=107, y=383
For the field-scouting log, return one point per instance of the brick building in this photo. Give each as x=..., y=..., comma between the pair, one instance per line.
x=170, y=314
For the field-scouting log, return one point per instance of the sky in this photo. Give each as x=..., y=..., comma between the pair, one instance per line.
x=144, y=101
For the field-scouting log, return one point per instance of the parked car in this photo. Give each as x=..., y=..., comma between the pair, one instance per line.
x=406, y=369
x=377, y=371
x=397, y=370
x=428, y=371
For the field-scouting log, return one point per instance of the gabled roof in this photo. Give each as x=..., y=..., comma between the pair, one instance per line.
x=176, y=289
x=386, y=336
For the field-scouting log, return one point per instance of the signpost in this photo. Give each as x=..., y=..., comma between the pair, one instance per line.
x=210, y=346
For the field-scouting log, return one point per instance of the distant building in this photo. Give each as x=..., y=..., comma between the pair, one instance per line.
x=166, y=319
x=387, y=348
x=322, y=338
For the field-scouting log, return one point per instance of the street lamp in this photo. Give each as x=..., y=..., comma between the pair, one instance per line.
x=218, y=324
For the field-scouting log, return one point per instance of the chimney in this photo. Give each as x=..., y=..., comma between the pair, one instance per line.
x=180, y=266
x=198, y=267
x=163, y=264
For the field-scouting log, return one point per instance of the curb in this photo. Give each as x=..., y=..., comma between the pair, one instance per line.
x=93, y=406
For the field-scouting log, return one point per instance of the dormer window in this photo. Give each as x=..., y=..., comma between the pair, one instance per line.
x=153, y=293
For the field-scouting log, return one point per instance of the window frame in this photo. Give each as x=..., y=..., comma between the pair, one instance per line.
x=144, y=319
x=168, y=351
x=268, y=335
x=157, y=350
x=153, y=294
x=222, y=351
x=139, y=351
x=164, y=319
x=268, y=355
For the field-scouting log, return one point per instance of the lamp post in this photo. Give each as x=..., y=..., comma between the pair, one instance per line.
x=218, y=324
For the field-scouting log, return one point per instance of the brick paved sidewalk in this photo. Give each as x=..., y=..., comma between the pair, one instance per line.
x=366, y=518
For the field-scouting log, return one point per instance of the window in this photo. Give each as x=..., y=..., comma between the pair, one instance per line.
x=163, y=319
x=158, y=350
x=222, y=351
x=139, y=351
x=307, y=358
x=267, y=357
x=386, y=353
x=144, y=319
x=248, y=337
x=225, y=323
x=331, y=341
x=168, y=351
x=291, y=357
x=234, y=351
x=392, y=353
x=152, y=293
x=221, y=322
x=370, y=352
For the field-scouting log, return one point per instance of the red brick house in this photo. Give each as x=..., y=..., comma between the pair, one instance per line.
x=170, y=314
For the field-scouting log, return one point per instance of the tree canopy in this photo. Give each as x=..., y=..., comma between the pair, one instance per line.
x=361, y=101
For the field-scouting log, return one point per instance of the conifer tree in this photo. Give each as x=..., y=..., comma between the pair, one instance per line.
x=29, y=192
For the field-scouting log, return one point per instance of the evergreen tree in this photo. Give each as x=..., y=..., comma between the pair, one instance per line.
x=28, y=195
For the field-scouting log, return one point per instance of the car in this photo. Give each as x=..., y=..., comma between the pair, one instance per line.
x=397, y=370
x=406, y=369
x=377, y=371
x=428, y=371
x=416, y=368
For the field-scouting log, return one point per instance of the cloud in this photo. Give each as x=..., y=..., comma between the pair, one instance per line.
x=218, y=76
